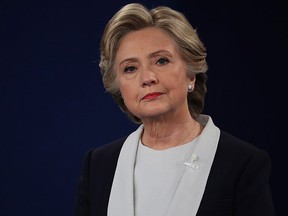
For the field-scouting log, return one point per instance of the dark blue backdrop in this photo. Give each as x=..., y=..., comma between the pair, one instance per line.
x=54, y=108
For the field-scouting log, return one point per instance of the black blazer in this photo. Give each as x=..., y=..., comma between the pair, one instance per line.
x=238, y=183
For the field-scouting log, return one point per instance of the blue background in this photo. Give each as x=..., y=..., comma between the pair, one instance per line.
x=53, y=106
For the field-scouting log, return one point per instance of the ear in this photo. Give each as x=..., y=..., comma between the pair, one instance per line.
x=192, y=79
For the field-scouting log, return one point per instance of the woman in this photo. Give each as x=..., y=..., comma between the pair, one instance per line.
x=177, y=162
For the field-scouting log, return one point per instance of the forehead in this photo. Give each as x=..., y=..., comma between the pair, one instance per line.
x=146, y=40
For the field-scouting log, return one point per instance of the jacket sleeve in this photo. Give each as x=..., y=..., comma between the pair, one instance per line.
x=81, y=203
x=253, y=194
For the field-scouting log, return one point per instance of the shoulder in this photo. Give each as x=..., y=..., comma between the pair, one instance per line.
x=239, y=175
x=102, y=159
x=237, y=160
x=107, y=151
x=110, y=147
x=96, y=178
x=235, y=146
x=235, y=153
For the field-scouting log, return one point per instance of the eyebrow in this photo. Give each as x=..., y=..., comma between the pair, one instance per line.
x=128, y=59
x=133, y=59
x=160, y=52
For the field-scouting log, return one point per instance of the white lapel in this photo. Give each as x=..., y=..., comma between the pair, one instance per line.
x=192, y=185
x=121, y=201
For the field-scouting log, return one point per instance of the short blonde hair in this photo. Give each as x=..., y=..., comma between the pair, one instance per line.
x=135, y=16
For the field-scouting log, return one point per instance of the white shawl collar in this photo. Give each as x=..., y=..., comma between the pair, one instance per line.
x=191, y=188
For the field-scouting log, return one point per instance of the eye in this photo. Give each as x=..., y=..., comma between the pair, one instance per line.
x=163, y=61
x=129, y=69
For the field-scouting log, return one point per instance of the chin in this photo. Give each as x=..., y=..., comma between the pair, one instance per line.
x=153, y=114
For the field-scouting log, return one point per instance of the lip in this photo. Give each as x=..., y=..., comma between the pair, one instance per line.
x=152, y=95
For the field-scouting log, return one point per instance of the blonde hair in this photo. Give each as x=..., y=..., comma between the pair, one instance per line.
x=135, y=16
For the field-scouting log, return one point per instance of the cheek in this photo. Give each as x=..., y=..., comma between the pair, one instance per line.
x=128, y=91
x=175, y=82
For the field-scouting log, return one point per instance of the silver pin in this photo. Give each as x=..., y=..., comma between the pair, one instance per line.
x=192, y=164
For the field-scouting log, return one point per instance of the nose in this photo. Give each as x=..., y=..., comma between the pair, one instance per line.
x=148, y=77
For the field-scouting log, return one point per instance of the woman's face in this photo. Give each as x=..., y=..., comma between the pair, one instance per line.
x=151, y=75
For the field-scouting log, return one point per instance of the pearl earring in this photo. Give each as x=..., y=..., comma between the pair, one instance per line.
x=190, y=88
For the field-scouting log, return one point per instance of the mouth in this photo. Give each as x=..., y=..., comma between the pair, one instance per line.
x=152, y=95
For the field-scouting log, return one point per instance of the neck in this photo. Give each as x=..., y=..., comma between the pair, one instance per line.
x=162, y=135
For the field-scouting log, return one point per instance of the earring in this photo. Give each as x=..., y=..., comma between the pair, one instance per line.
x=190, y=88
